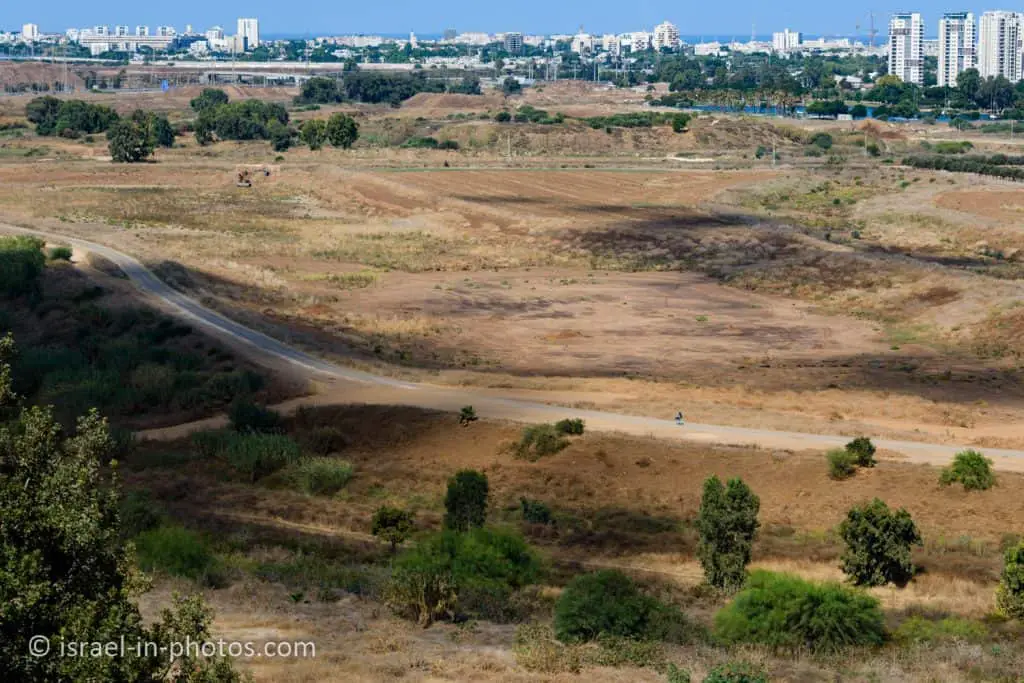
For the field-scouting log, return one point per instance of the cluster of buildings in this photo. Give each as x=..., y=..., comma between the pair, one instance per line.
x=123, y=38
x=994, y=45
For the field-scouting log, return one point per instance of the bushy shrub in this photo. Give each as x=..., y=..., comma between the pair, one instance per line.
x=841, y=463
x=821, y=140
x=679, y=122
x=21, y=263
x=59, y=254
x=176, y=551
x=320, y=476
x=394, y=525
x=727, y=522
x=970, y=468
x=572, y=426
x=784, y=611
x=534, y=511
x=862, y=450
x=465, y=503
x=467, y=415
x=430, y=580
x=139, y=513
x=918, y=630
x=248, y=418
x=540, y=440
x=1010, y=594
x=257, y=455
x=450, y=145
x=420, y=143
x=503, y=117
x=322, y=440
x=878, y=544
x=609, y=603
x=737, y=672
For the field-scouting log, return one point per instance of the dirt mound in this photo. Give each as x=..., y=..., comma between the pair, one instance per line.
x=426, y=100
x=877, y=129
x=15, y=74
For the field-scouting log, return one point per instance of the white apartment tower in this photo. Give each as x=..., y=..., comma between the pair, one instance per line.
x=142, y=31
x=666, y=35
x=957, y=46
x=249, y=29
x=30, y=32
x=786, y=40
x=906, y=60
x=999, y=45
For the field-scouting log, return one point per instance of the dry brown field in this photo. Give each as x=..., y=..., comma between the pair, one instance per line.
x=631, y=270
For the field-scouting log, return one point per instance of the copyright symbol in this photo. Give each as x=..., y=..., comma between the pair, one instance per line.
x=38, y=646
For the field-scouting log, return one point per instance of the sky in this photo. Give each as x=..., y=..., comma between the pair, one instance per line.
x=323, y=17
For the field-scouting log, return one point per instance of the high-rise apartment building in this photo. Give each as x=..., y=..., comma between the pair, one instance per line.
x=906, y=33
x=249, y=30
x=121, y=31
x=30, y=32
x=142, y=30
x=666, y=35
x=957, y=46
x=786, y=40
x=513, y=43
x=999, y=45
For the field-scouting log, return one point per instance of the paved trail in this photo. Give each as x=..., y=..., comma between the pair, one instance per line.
x=487, y=403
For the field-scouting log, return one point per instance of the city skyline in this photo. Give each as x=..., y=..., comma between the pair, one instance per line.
x=401, y=16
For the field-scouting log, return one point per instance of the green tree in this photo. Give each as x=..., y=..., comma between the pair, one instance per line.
x=129, y=142
x=66, y=572
x=43, y=111
x=319, y=90
x=280, y=135
x=7, y=353
x=679, y=122
x=727, y=522
x=511, y=86
x=465, y=503
x=313, y=133
x=878, y=543
x=968, y=82
x=208, y=99
x=1010, y=594
x=158, y=128
x=862, y=450
x=342, y=130
x=394, y=525
x=970, y=468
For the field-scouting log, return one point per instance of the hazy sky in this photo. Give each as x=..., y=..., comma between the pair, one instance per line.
x=319, y=17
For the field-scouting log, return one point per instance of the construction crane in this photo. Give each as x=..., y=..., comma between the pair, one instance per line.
x=872, y=31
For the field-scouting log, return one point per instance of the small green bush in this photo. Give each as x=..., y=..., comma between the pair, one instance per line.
x=821, y=140
x=918, y=630
x=534, y=511
x=176, y=551
x=257, y=455
x=787, y=612
x=247, y=417
x=673, y=674
x=1010, y=594
x=861, y=448
x=394, y=525
x=737, y=672
x=465, y=503
x=320, y=476
x=841, y=463
x=475, y=570
x=878, y=544
x=573, y=426
x=139, y=513
x=609, y=603
x=323, y=440
x=970, y=468
x=467, y=415
x=540, y=440
x=59, y=254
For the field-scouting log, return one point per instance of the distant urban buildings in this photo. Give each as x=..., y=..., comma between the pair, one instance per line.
x=957, y=46
x=906, y=58
x=249, y=33
x=29, y=32
x=999, y=45
x=513, y=43
x=666, y=36
x=786, y=40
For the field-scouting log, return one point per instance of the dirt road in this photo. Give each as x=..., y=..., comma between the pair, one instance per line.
x=347, y=384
